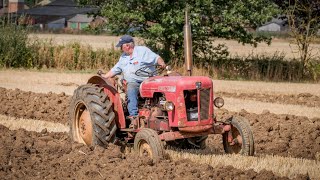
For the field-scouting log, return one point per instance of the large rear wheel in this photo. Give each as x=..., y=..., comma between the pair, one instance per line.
x=147, y=143
x=239, y=140
x=92, y=118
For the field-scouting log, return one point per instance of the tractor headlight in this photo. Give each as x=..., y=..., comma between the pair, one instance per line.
x=168, y=106
x=218, y=102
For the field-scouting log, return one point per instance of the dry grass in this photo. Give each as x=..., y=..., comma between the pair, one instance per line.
x=31, y=125
x=195, y=71
x=63, y=39
x=235, y=48
x=256, y=86
x=49, y=81
x=95, y=42
x=42, y=82
x=77, y=52
x=266, y=87
x=236, y=105
x=281, y=166
x=278, y=46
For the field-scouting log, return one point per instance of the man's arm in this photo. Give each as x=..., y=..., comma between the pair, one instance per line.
x=110, y=74
x=113, y=71
x=161, y=62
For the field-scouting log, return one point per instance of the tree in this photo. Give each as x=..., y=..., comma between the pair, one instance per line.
x=304, y=22
x=160, y=22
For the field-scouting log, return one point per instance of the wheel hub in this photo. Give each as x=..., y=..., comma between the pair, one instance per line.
x=235, y=139
x=85, y=127
x=145, y=150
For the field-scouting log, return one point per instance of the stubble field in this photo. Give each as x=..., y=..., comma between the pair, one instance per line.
x=35, y=144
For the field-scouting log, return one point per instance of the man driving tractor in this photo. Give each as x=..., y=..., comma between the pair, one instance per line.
x=132, y=59
x=177, y=110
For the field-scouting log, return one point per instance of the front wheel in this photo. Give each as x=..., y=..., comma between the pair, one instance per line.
x=147, y=143
x=239, y=140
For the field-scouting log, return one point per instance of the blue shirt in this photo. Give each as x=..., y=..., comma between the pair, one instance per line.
x=141, y=57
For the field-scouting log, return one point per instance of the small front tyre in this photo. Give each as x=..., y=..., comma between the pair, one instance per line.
x=148, y=144
x=239, y=140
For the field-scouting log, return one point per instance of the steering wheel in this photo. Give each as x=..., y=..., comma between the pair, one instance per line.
x=149, y=71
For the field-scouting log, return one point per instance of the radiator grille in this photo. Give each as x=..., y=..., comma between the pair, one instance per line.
x=204, y=103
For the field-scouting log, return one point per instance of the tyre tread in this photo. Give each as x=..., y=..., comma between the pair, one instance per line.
x=101, y=112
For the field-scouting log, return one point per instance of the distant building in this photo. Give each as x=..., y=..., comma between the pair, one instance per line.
x=275, y=25
x=52, y=12
x=48, y=14
x=3, y=8
x=80, y=21
x=15, y=6
x=57, y=24
x=11, y=6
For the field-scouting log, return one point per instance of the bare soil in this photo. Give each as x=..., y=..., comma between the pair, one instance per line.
x=32, y=155
x=50, y=107
x=282, y=135
x=66, y=82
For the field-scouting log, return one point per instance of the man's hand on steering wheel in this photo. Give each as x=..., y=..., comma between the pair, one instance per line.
x=147, y=72
x=163, y=66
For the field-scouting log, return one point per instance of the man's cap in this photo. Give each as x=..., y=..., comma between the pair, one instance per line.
x=124, y=39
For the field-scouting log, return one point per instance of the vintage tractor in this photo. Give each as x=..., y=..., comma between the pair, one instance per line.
x=174, y=110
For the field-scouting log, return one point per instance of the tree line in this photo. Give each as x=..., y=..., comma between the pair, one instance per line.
x=160, y=23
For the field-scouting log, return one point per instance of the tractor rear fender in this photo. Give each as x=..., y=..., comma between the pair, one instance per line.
x=114, y=96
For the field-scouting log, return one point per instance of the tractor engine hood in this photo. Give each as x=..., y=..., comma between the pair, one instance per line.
x=173, y=84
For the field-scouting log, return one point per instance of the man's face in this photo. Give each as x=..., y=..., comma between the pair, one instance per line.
x=125, y=48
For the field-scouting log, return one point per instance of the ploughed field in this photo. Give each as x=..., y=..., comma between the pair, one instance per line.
x=28, y=154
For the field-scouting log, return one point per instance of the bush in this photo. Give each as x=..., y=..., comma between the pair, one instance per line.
x=72, y=56
x=14, y=51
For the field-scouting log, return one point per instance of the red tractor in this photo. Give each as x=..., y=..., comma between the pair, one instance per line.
x=174, y=110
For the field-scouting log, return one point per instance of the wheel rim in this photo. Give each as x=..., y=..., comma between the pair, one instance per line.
x=236, y=143
x=85, y=127
x=145, y=150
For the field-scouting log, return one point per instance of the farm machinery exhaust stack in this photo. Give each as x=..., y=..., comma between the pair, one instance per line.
x=187, y=44
x=174, y=110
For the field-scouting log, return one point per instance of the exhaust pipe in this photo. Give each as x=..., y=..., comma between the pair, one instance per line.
x=187, y=44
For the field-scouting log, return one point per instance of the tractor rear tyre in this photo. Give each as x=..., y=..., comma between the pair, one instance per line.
x=147, y=143
x=92, y=118
x=243, y=141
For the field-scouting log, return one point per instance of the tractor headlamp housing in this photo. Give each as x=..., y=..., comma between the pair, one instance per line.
x=168, y=106
x=218, y=102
